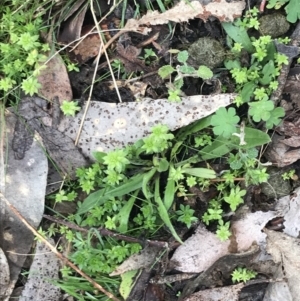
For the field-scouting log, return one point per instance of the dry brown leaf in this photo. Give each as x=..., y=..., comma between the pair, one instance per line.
x=87, y=48
x=184, y=11
x=55, y=80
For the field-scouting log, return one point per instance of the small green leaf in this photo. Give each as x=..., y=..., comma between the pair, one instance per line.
x=163, y=165
x=165, y=71
x=182, y=56
x=224, y=122
x=247, y=91
x=205, y=72
x=275, y=118
x=187, y=69
x=260, y=110
x=268, y=72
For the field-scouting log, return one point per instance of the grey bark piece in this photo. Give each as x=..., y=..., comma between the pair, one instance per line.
x=112, y=126
x=44, y=269
x=25, y=185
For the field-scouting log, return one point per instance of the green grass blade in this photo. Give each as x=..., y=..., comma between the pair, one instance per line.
x=99, y=197
x=200, y=172
x=163, y=213
x=147, y=177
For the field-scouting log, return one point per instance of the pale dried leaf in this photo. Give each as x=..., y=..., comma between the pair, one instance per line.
x=286, y=250
x=185, y=10
x=226, y=293
x=289, y=208
x=111, y=126
x=248, y=229
x=55, y=80
x=137, y=261
x=199, y=252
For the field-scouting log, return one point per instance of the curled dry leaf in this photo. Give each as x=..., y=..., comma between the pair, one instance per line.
x=184, y=11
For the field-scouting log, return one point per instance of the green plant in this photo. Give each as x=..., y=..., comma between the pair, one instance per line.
x=255, y=83
x=185, y=215
x=69, y=108
x=288, y=175
x=242, y=274
x=183, y=70
x=22, y=54
x=292, y=8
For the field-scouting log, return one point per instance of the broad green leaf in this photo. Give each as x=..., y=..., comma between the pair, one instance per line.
x=232, y=64
x=253, y=138
x=200, y=172
x=239, y=35
x=247, y=91
x=163, y=165
x=217, y=149
x=275, y=118
x=165, y=71
x=101, y=196
x=224, y=122
x=147, y=177
x=169, y=194
x=268, y=72
x=127, y=283
x=124, y=213
x=293, y=11
x=163, y=213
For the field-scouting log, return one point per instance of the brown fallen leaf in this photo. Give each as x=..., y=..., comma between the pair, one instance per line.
x=88, y=48
x=55, y=80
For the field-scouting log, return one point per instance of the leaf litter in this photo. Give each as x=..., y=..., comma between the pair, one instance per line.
x=249, y=226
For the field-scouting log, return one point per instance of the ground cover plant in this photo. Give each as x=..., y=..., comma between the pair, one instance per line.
x=162, y=188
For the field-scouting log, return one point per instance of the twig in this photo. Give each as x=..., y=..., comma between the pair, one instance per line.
x=53, y=249
x=106, y=232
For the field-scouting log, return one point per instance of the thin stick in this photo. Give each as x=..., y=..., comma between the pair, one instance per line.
x=53, y=249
